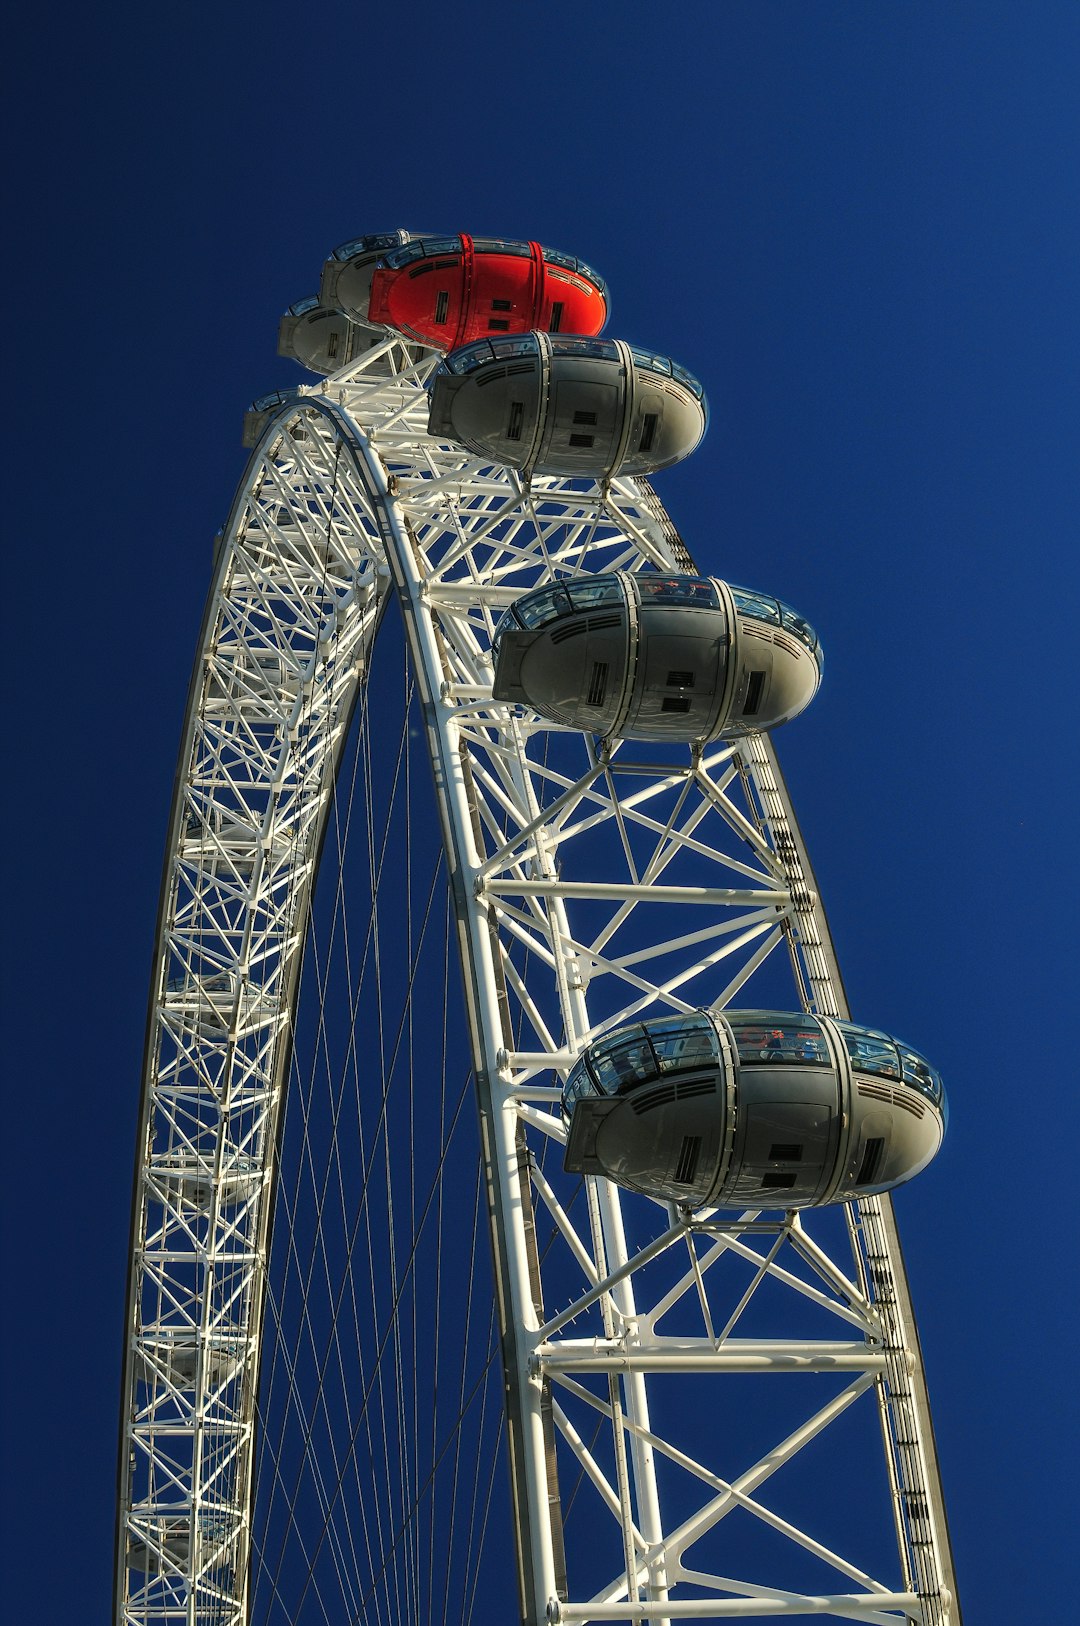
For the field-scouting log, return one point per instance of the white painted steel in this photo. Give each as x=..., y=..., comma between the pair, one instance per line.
x=839, y=1607
x=296, y=596
x=567, y=860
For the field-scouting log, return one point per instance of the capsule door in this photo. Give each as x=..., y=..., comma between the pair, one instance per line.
x=681, y=679
x=503, y=297
x=789, y=1125
x=585, y=427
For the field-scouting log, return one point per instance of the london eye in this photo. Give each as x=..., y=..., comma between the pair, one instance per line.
x=613, y=1233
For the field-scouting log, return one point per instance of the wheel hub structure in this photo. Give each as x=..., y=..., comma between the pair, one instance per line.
x=736, y=1399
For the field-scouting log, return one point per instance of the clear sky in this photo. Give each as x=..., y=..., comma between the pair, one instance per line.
x=856, y=221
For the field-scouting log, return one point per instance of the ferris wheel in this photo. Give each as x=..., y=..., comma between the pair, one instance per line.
x=698, y=1367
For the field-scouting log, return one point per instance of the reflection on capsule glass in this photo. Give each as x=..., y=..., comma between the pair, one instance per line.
x=767, y=1109
x=445, y=291
x=654, y=657
x=555, y=404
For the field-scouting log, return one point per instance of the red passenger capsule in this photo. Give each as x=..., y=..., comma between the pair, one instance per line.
x=446, y=291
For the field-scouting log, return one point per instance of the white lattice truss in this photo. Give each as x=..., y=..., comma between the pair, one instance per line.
x=560, y=854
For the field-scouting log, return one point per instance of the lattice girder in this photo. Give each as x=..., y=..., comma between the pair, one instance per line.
x=567, y=858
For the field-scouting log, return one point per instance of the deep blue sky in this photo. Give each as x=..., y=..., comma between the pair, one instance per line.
x=857, y=222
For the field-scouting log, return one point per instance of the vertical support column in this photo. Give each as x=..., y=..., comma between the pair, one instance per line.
x=609, y=1205
x=507, y=1201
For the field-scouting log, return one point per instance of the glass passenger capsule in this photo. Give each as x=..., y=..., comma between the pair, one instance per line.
x=767, y=1109
x=168, y=1539
x=322, y=339
x=196, y=1177
x=217, y=1003
x=260, y=412
x=445, y=291
x=345, y=284
x=561, y=404
x=170, y=1356
x=652, y=657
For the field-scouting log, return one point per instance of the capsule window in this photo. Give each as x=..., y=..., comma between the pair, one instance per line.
x=648, y=432
x=588, y=592
x=578, y=1084
x=870, y=1051
x=683, y=1043
x=799, y=625
x=688, y=379
x=919, y=1073
x=584, y=417
x=517, y=418
x=753, y=693
x=757, y=606
x=606, y=349
x=655, y=364
x=695, y=590
x=537, y=609
x=556, y=316
x=442, y=305
x=624, y=1065
x=761, y=1039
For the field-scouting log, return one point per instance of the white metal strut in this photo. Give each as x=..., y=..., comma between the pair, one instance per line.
x=591, y=886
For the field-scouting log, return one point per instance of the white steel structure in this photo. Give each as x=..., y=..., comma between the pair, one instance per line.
x=589, y=886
